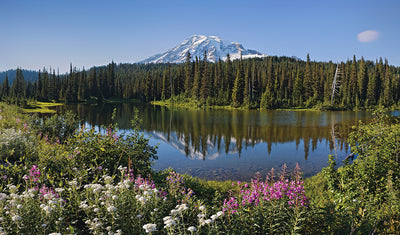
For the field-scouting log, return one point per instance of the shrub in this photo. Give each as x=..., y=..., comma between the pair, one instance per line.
x=15, y=144
x=366, y=191
x=57, y=128
x=106, y=151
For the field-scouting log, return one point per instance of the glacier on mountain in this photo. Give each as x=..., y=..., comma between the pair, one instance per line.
x=215, y=47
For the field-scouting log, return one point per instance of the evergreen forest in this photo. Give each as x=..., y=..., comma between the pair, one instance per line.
x=269, y=83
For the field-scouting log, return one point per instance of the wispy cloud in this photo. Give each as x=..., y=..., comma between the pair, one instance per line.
x=368, y=36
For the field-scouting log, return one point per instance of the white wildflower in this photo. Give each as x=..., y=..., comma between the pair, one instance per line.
x=182, y=207
x=122, y=169
x=202, y=208
x=47, y=209
x=83, y=205
x=202, y=222
x=107, y=178
x=111, y=209
x=3, y=196
x=59, y=190
x=192, y=229
x=16, y=218
x=11, y=187
x=127, y=183
x=167, y=218
x=174, y=212
x=150, y=228
x=169, y=222
x=32, y=191
x=74, y=182
x=141, y=199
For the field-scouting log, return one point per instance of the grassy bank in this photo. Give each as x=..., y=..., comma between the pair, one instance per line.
x=189, y=103
x=39, y=107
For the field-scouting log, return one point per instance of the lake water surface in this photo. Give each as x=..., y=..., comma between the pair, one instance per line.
x=233, y=144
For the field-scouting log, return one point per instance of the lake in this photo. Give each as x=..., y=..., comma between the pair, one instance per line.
x=222, y=144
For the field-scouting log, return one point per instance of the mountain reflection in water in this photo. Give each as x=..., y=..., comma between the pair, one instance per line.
x=233, y=144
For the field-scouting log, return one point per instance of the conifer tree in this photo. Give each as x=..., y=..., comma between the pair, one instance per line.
x=197, y=80
x=219, y=83
x=205, y=81
x=267, y=99
x=353, y=90
x=52, y=87
x=93, y=89
x=247, y=86
x=18, y=87
x=5, y=87
x=372, y=89
x=82, y=90
x=228, y=77
x=165, y=93
x=188, y=74
x=362, y=79
x=39, y=85
x=298, y=88
x=238, y=88
x=308, y=81
x=110, y=80
x=147, y=88
x=387, y=96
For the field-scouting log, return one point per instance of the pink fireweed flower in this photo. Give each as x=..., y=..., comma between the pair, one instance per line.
x=291, y=191
x=230, y=205
x=46, y=193
x=109, y=131
x=34, y=174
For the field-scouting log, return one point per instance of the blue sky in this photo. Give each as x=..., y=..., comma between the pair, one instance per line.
x=37, y=34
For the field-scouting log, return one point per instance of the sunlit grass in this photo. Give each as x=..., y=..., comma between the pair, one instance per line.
x=40, y=107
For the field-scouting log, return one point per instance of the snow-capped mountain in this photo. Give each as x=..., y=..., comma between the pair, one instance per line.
x=216, y=49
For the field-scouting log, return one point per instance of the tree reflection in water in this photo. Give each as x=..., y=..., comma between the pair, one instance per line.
x=211, y=133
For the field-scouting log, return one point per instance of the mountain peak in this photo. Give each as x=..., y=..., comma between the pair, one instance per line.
x=215, y=47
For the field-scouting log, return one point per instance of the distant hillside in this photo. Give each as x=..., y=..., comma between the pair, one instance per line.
x=29, y=75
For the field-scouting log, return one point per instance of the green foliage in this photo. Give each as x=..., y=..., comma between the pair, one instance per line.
x=57, y=128
x=366, y=191
x=14, y=144
x=110, y=150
